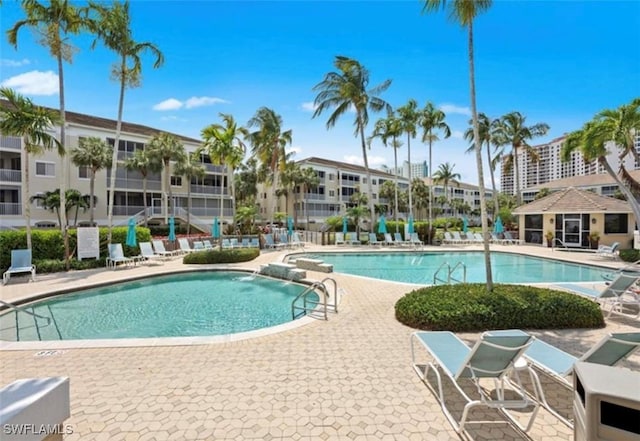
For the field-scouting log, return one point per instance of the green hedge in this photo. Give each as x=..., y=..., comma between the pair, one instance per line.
x=470, y=308
x=47, y=245
x=632, y=255
x=221, y=256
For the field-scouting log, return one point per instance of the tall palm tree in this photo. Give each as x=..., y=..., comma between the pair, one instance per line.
x=408, y=116
x=291, y=177
x=512, y=130
x=32, y=123
x=145, y=164
x=446, y=176
x=76, y=200
x=245, y=182
x=164, y=148
x=268, y=144
x=464, y=12
x=222, y=143
x=190, y=167
x=53, y=22
x=389, y=129
x=95, y=154
x=113, y=27
x=309, y=180
x=348, y=89
x=486, y=127
x=432, y=119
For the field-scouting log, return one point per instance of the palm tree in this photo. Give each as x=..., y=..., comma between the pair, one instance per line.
x=355, y=214
x=190, y=167
x=408, y=116
x=145, y=164
x=164, y=148
x=53, y=22
x=95, y=154
x=268, y=144
x=24, y=119
x=113, y=28
x=223, y=145
x=345, y=90
x=50, y=200
x=512, y=130
x=432, y=119
x=464, y=12
x=246, y=216
x=290, y=178
x=246, y=182
x=486, y=127
x=446, y=176
x=386, y=129
x=77, y=200
x=309, y=180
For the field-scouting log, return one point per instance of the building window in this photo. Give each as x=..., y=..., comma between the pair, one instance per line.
x=364, y=180
x=617, y=223
x=84, y=172
x=38, y=201
x=45, y=169
x=374, y=182
x=176, y=181
x=332, y=177
x=332, y=193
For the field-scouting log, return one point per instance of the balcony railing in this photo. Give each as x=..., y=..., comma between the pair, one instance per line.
x=10, y=209
x=206, y=189
x=10, y=142
x=7, y=175
x=135, y=184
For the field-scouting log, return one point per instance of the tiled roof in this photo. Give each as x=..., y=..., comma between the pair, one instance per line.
x=572, y=200
x=582, y=181
x=110, y=124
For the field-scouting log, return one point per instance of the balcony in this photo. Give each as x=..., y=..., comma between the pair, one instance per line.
x=135, y=184
x=10, y=142
x=7, y=175
x=10, y=209
x=206, y=189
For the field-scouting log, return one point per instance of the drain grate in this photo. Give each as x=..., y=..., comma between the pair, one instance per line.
x=48, y=353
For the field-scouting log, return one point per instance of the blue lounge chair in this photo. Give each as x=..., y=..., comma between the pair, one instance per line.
x=185, y=248
x=116, y=256
x=158, y=247
x=388, y=240
x=493, y=356
x=295, y=241
x=339, y=239
x=254, y=242
x=20, y=263
x=147, y=253
x=373, y=239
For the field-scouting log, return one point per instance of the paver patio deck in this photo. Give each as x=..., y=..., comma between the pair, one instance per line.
x=349, y=378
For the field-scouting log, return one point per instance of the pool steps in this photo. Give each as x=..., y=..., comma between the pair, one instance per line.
x=312, y=265
x=283, y=271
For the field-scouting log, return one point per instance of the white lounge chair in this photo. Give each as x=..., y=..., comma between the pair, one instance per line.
x=254, y=242
x=415, y=240
x=147, y=253
x=116, y=256
x=397, y=237
x=352, y=239
x=269, y=242
x=20, y=263
x=388, y=240
x=295, y=241
x=207, y=244
x=457, y=238
x=198, y=245
x=185, y=248
x=339, y=239
x=610, y=252
x=512, y=239
x=373, y=239
x=245, y=242
x=492, y=357
x=618, y=294
x=158, y=247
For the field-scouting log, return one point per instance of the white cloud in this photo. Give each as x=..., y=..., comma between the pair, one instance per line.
x=309, y=106
x=357, y=160
x=453, y=109
x=294, y=149
x=172, y=118
x=200, y=101
x=168, y=104
x=33, y=83
x=14, y=63
x=457, y=134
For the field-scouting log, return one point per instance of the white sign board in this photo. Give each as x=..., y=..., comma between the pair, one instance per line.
x=88, y=242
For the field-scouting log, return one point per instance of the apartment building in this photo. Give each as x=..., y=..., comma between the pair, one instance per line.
x=549, y=167
x=418, y=169
x=45, y=169
x=465, y=193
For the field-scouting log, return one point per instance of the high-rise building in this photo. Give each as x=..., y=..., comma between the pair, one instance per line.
x=418, y=170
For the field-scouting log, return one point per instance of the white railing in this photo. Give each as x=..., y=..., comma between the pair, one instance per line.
x=7, y=208
x=201, y=224
x=10, y=175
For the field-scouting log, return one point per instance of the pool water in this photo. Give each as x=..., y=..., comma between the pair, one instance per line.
x=187, y=304
x=419, y=267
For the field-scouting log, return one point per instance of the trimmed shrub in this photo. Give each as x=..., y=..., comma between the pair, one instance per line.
x=53, y=266
x=221, y=256
x=632, y=255
x=470, y=308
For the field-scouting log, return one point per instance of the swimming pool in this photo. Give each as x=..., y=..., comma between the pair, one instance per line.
x=420, y=267
x=185, y=304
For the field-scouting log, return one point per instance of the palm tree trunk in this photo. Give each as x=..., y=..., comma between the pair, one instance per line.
x=26, y=202
x=478, y=150
x=170, y=208
x=114, y=158
x=516, y=174
x=221, y=205
x=92, y=184
x=189, y=207
x=496, y=205
x=366, y=167
x=430, y=189
x=635, y=207
x=306, y=207
x=409, y=159
x=63, y=164
x=144, y=199
x=395, y=161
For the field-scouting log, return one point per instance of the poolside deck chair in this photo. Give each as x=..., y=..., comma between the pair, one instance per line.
x=198, y=245
x=226, y=244
x=498, y=240
x=477, y=238
x=147, y=254
x=492, y=357
x=295, y=241
x=415, y=240
x=512, y=239
x=612, y=349
x=270, y=243
x=457, y=238
x=284, y=241
x=352, y=239
x=397, y=237
x=245, y=242
x=339, y=239
x=158, y=247
x=116, y=256
x=373, y=240
x=617, y=295
x=20, y=263
x=185, y=248
x=207, y=244
x=388, y=240
x=254, y=242
x=610, y=252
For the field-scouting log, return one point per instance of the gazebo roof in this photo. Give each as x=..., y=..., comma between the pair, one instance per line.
x=572, y=200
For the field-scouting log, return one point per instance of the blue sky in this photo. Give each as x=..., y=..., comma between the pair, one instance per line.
x=558, y=62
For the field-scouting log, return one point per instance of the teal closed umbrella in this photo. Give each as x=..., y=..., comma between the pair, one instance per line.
x=497, y=226
x=410, y=228
x=290, y=225
x=131, y=234
x=465, y=224
x=382, y=225
x=344, y=225
x=172, y=229
x=215, y=229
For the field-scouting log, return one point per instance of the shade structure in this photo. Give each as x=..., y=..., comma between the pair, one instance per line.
x=131, y=233
x=290, y=225
x=497, y=226
x=172, y=229
x=465, y=224
x=344, y=225
x=215, y=228
x=382, y=225
x=410, y=229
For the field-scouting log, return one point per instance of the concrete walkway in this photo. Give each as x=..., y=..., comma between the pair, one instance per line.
x=349, y=378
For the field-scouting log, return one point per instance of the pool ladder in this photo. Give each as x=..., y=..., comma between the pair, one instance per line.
x=16, y=309
x=311, y=306
x=450, y=270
